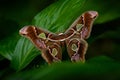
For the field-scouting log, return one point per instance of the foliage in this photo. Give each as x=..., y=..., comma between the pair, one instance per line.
x=23, y=54
x=18, y=56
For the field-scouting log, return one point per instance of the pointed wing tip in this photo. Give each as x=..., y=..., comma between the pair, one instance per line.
x=24, y=31
x=94, y=14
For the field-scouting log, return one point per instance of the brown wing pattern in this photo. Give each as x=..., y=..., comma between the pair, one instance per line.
x=74, y=38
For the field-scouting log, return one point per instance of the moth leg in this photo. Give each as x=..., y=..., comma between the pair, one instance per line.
x=52, y=53
x=76, y=49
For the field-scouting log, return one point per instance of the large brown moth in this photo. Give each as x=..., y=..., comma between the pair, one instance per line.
x=74, y=38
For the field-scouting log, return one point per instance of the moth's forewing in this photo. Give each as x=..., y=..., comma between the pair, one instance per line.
x=51, y=51
x=83, y=24
x=54, y=50
x=30, y=33
x=88, y=19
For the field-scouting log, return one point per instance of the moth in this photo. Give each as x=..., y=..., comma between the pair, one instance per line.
x=50, y=44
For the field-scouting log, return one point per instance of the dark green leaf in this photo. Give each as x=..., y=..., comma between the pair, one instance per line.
x=24, y=53
x=100, y=68
x=108, y=10
x=7, y=46
x=58, y=16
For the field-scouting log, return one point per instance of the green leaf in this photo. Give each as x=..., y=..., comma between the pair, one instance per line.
x=101, y=68
x=108, y=10
x=24, y=53
x=58, y=16
x=7, y=46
